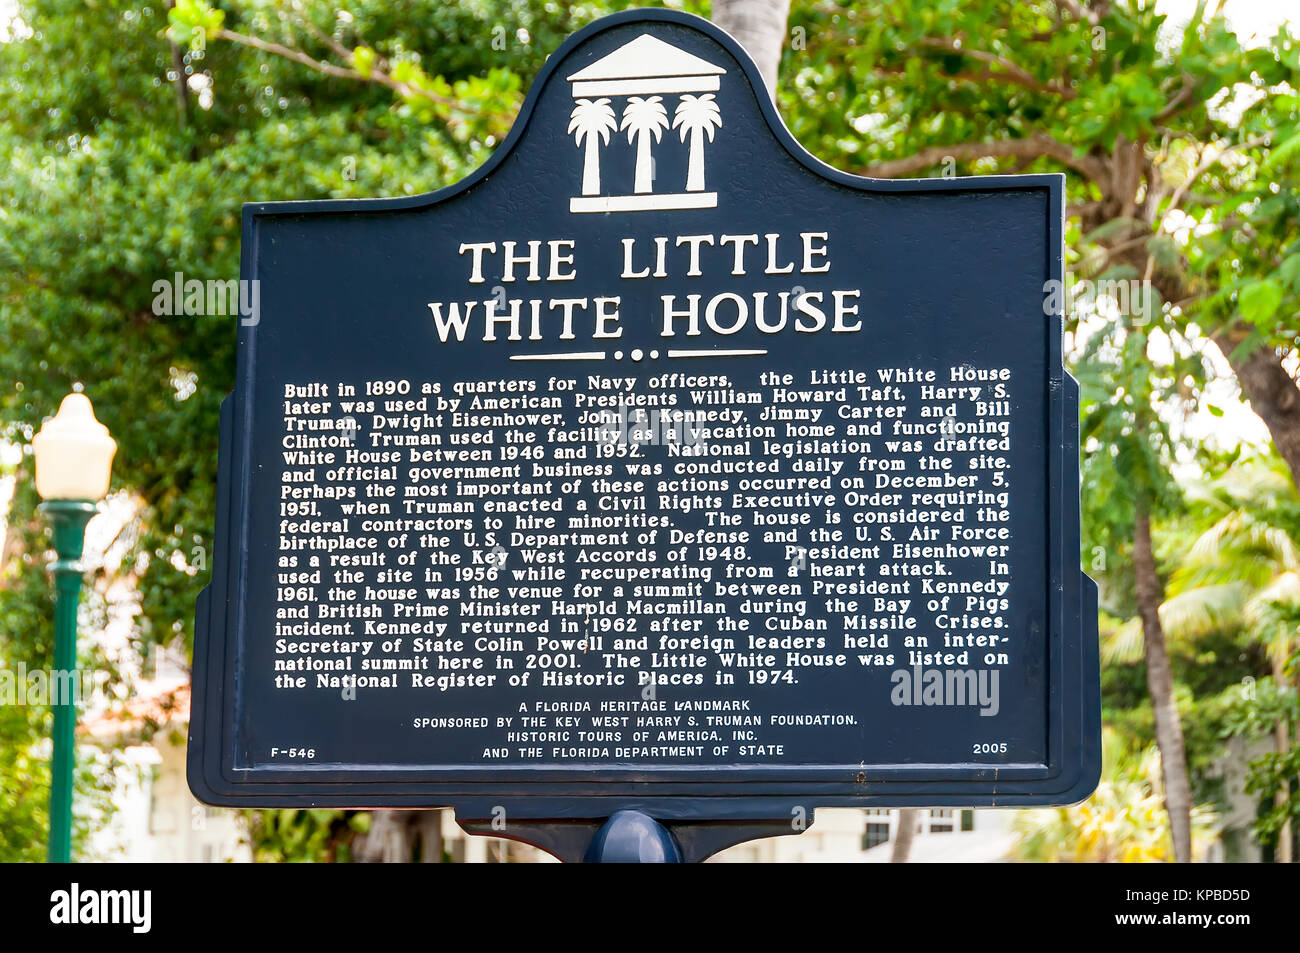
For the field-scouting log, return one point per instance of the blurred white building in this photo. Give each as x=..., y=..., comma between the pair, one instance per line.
x=853, y=835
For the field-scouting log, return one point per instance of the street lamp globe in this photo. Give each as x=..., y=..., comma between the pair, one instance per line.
x=73, y=453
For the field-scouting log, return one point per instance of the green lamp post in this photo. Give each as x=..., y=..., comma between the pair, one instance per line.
x=73, y=456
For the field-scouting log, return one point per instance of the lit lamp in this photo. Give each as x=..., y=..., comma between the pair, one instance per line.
x=73, y=455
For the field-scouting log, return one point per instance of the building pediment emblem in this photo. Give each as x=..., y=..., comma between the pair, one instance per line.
x=624, y=91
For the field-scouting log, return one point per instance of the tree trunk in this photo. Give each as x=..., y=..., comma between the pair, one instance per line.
x=760, y=27
x=401, y=837
x=1273, y=395
x=430, y=824
x=903, y=836
x=1160, y=682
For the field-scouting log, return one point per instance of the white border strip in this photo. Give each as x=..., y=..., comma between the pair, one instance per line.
x=643, y=203
x=761, y=353
x=569, y=356
x=629, y=87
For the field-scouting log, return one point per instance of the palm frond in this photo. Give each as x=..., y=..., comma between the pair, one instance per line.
x=1123, y=644
x=1199, y=612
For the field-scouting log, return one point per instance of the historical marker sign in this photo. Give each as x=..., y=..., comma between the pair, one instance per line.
x=656, y=464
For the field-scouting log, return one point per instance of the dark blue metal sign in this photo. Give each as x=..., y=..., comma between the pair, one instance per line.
x=656, y=466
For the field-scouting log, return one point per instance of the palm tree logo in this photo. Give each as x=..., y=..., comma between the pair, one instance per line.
x=698, y=116
x=593, y=121
x=643, y=117
x=639, y=83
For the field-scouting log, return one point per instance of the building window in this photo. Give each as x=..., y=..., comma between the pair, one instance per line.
x=875, y=835
x=941, y=820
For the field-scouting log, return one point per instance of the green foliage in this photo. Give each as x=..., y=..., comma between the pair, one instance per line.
x=1124, y=822
x=304, y=836
x=24, y=784
x=1180, y=152
x=949, y=72
x=193, y=21
x=1257, y=713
